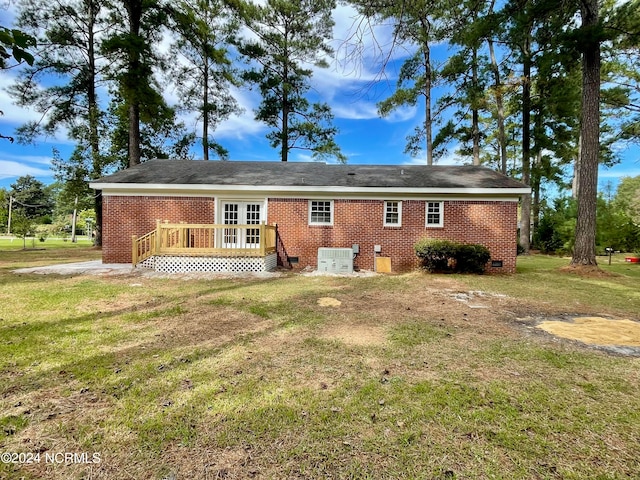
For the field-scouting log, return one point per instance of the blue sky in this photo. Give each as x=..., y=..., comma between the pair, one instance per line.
x=351, y=88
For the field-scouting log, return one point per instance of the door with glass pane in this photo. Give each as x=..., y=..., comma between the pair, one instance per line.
x=252, y=217
x=241, y=213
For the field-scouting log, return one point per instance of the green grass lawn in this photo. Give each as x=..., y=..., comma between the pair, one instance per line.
x=30, y=243
x=539, y=279
x=260, y=378
x=50, y=252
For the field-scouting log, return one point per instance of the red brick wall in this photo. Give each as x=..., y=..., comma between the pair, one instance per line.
x=493, y=224
x=124, y=216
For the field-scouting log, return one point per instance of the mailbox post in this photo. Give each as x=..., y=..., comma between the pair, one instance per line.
x=609, y=251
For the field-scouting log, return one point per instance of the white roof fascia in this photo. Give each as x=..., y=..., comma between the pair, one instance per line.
x=141, y=189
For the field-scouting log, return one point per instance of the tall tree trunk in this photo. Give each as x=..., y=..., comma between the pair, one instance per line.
x=535, y=185
x=284, y=152
x=525, y=224
x=497, y=92
x=134, y=10
x=134, y=134
x=576, y=168
x=475, y=116
x=427, y=103
x=94, y=120
x=426, y=56
x=205, y=109
x=584, y=252
x=536, y=154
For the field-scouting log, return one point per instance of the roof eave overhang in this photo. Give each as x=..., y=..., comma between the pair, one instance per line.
x=296, y=190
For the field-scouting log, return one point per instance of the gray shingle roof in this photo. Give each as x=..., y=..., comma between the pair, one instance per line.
x=292, y=174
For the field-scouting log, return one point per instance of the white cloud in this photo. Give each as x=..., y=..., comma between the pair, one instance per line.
x=11, y=169
x=37, y=159
x=13, y=114
x=450, y=158
x=304, y=156
x=363, y=110
x=355, y=82
x=402, y=114
x=9, y=9
x=363, y=47
x=355, y=110
x=300, y=157
x=242, y=125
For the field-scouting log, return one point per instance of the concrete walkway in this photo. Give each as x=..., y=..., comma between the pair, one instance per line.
x=93, y=267
x=96, y=267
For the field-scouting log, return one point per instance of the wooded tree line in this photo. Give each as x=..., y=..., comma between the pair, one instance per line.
x=617, y=221
x=31, y=209
x=532, y=86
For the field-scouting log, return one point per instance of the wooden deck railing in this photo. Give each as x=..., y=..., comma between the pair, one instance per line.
x=204, y=239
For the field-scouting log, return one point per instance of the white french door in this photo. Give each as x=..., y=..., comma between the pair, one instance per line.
x=241, y=213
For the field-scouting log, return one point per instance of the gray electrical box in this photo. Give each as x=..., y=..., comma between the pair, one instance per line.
x=335, y=260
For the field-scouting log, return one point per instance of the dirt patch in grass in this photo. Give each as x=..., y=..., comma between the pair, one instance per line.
x=362, y=335
x=124, y=302
x=588, y=271
x=209, y=326
x=209, y=462
x=329, y=302
x=596, y=330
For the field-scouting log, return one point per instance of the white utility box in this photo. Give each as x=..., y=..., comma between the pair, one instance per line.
x=335, y=260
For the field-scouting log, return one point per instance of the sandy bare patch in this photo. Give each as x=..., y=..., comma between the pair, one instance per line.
x=329, y=302
x=361, y=335
x=596, y=331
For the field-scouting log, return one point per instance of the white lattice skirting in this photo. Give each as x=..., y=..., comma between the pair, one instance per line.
x=178, y=264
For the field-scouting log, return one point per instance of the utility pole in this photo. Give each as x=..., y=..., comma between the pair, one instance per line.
x=9, y=222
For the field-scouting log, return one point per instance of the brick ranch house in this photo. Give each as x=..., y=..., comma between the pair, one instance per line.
x=174, y=215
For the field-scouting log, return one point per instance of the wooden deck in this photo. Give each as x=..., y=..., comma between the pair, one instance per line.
x=205, y=240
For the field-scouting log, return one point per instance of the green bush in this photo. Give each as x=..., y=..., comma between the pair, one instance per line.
x=472, y=258
x=436, y=255
x=444, y=256
x=547, y=238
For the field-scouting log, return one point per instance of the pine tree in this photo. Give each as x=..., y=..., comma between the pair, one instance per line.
x=67, y=33
x=584, y=252
x=292, y=36
x=139, y=25
x=204, y=76
x=415, y=24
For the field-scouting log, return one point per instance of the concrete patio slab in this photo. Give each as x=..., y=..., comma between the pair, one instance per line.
x=92, y=267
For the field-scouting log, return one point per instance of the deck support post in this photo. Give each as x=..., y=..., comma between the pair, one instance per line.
x=158, y=244
x=134, y=250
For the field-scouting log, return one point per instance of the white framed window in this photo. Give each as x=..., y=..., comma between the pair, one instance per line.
x=435, y=214
x=320, y=212
x=392, y=214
